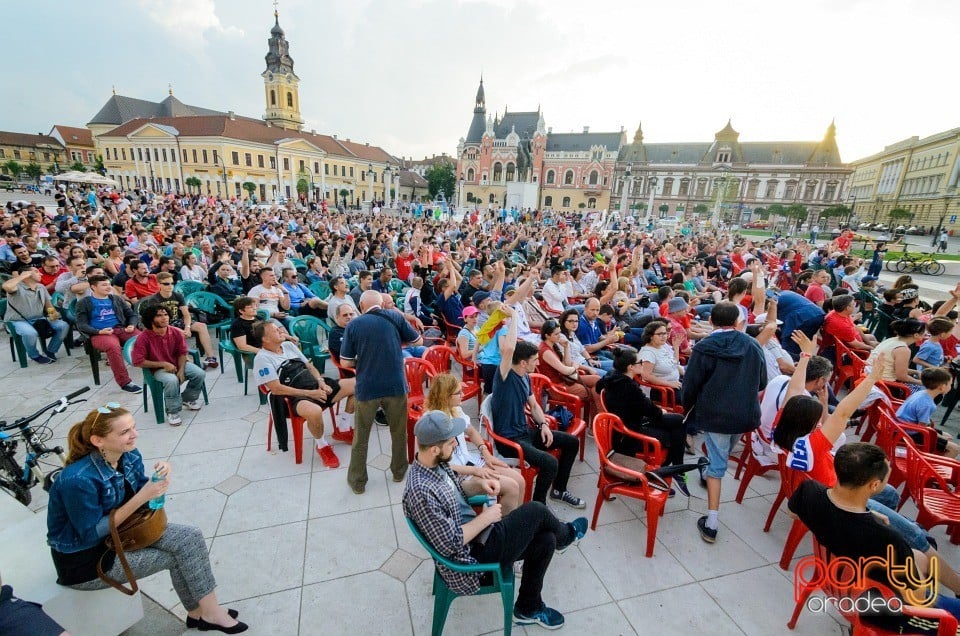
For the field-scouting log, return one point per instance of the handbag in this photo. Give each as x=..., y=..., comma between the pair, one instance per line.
x=41, y=325
x=141, y=529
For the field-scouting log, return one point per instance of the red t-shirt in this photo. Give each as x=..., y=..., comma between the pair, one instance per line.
x=949, y=346
x=136, y=290
x=156, y=348
x=46, y=279
x=839, y=327
x=404, y=268
x=811, y=454
x=843, y=242
x=815, y=293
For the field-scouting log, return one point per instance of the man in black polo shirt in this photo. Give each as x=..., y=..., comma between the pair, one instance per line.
x=372, y=345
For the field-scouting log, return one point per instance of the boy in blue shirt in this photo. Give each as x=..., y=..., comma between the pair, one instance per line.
x=930, y=354
x=919, y=407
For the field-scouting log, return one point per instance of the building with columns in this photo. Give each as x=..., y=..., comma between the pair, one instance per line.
x=160, y=145
x=918, y=175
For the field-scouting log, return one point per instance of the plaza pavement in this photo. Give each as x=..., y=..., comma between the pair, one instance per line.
x=296, y=552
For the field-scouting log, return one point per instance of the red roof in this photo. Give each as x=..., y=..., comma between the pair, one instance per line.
x=26, y=140
x=75, y=136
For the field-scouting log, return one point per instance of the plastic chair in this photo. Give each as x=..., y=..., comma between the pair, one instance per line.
x=654, y=455
x=397, y=286
x=309, y=329
x=152, y=385
x=320, y=289
x=296, y=426
x=790, y=479
x=529, y=472
x=187, y=287
x=242, y=363
x=541, y=387
x=418, y=373
x=18, y=351
x=663, y=396
x=469, y=376
x=450, y=331
x=797, y=531
x=209, y=303
x=345, y=372
x=503, y=583
x=937, y=503
x=441, y=357
x=299, y=264
x=849, y=367
x=616, y=479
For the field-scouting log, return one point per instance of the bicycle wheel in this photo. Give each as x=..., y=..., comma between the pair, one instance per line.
x=8, y=481
x=935, y=268
x=904, y=265
x=891, y=264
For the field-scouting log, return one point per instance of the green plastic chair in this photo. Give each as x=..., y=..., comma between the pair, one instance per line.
x=397, y=286
x=300, y=264
x=312, y=333
x=242, y=363
x=187, y=287
x=503, y=582
x=152, y=385
x=210, y=303
x=321, y=289
x=353, y=281
x=18, y=351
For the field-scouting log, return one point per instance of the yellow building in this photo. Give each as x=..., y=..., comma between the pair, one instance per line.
x=78, y=143
x=920, y=176
x=165, y=146
x=25, y=149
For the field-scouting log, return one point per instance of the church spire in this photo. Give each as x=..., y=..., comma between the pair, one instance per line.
x=281, y=84
x=638, y=136
x=481, y=103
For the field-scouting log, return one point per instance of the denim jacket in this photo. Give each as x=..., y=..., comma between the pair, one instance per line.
x=81, y=498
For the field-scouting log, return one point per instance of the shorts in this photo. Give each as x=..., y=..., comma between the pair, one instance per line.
x=719, y=446
x=334, y=384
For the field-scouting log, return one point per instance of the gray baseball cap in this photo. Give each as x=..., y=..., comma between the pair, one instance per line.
x=436, y=426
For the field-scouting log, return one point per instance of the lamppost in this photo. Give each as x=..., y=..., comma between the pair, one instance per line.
x=652, y=185
x=943, y=217
x=371, y=174
x=853, y=205
x=718, y=200
x=387, y=184
x=460, y=193
x=626, y=185
x=153, y=185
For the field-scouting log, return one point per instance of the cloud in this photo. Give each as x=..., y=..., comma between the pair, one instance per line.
x=188, y=19
x=581, y=69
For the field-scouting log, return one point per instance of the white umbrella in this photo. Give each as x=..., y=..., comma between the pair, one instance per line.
x=92, y=177
x=73, y=176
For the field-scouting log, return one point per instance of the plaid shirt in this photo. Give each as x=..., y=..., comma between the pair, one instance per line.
x=432, y=505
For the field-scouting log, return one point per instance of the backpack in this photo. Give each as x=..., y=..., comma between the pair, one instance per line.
x=294, y=373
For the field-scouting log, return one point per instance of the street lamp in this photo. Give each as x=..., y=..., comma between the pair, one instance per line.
x=718, y=200
x=371, y=174
x=652, y=181
x=387, y=182
x=460, y=194
x=853, y=205
x=626, y=184
x=153, y=185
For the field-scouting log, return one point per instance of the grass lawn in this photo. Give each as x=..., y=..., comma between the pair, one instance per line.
x=892, y=254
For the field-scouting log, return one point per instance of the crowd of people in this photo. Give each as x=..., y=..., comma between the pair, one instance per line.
x=705, y=322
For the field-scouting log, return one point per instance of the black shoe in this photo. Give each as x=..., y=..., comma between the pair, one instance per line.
x=193, y=623
x=204, y=626
x=50, y=355
x=708, y=535
x=131, y=388
x=43, y=360
x=680, y=481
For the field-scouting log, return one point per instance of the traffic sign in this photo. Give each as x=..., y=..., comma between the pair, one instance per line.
x=953, y=218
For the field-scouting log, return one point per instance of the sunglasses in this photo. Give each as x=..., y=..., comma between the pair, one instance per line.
x=106, y=409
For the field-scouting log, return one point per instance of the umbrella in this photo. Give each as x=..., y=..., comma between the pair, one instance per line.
x=92, y=177
x=73, y=175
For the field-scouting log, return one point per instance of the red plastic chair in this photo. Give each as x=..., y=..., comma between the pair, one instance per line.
x=663, y=396
x=654, y=455
x=296, y=427
x=893, y=438
x=556, y=396
x=441, y=357
x=850, y=366
x=615, y=479
x=546, y=308
x=345, y=372
x=450, y=331
x=789, y=480
x=749, y=464
x=896, y=391
x=418, y=373
x=937, y=503
x=797, y=531
x=470, y=379
x=529, y=472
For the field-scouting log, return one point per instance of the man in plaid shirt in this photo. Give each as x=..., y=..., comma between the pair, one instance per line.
x=435, y=498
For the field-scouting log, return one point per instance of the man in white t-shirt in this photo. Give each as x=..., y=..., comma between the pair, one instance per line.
x=553, y=292
x=272, y=296
x=818, y=373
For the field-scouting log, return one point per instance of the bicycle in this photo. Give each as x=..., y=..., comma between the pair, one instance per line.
x=17, y=479
x=910, y=263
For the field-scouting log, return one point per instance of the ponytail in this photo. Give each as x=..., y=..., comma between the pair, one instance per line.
x=95, y=423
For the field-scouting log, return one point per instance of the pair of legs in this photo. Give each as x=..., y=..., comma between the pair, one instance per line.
x=182, y=551
x=395, y=409
x=586, y=391
x=29, y=335
x=670, y=432
x=511, y=485
x=112, y=346
x=552, y=471
x=719, y=446
x=312, y=412
x=199, y=329
x=532, y=533
x=172, y=399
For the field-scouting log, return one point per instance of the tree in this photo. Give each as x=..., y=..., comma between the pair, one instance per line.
x=193, y=182
x=441, y=178
x=664, y=208
x=835, y=212
x=78, y=166
x=250, y=187
x=98, y=166
x=898, y=214
x=639, y=206
x=798, y=212
x=776, y=210
x=343, y=196
x=470, y=197
x=581, y=205
x=33, y=170
x=303, y=186
x=700, y=208
x=14, y=168
x=761, y=213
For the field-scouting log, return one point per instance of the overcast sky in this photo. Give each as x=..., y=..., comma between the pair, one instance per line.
x=403, y=73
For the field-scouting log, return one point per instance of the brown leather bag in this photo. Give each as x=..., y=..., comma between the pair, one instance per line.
x=141, y=529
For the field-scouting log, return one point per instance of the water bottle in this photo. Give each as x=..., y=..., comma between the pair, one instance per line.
x=157, y=502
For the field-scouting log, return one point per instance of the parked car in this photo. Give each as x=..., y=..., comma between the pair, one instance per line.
x=880, y=227
x=914, y=230
x=669, y=222
x=757, y=225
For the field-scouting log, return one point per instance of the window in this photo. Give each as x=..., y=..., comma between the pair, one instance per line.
x=302, y=165
x=567, y=180
x=16, y=154
x=550, y=176
x=289, y=100
x=273, y=163
x=667, y=187
x=326, y=168
x=194, y=152
x=684, y=187
x=723, y=157
x=790, y=190
x=351, y=170
x=497, y=171
x=701, y=187
x=809, y=189
x=286, y=163
x=156, y=155
x=752, y=187
x=547, y=202
x=123, y=153
x=566, y=202
x=273, y=97
x=235, y=157
x=492, y=198
x=316, y=167
x=76, y=155
x=46, y=156
x=216, y=158
x=511, y=171
x=164, y=151
x=140, y=154
x=470, y=175
x=591, y=202
x=335, y=169
x=772, y=188
x=185, y=154
x=3, y=153
x=259, y=161
x=594, y=177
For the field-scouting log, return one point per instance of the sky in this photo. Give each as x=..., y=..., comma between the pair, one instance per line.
x=402, y=74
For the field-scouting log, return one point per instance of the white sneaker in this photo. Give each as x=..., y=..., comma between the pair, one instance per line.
x=173, y=419
x=193, y=406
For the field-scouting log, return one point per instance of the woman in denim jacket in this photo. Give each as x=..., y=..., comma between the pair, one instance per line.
x=104, y=472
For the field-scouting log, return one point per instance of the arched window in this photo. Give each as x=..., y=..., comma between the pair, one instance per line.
x=591, y=202
x=497, y=171
x=594, y=177
x=566, y=202
x=551, y=176
x=289, y=100
x=511, y=170
x=273, y=97
x=771, y=188
x=667, y=187
x=547, y=201
x=470, y=175
x=492, y=198
x=568, y=180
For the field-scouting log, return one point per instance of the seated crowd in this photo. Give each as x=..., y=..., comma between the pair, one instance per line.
x=691, y=338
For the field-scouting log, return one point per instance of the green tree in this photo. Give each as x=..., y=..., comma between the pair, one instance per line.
x=798, y=212
x=14, y=168
x=761, y=213
x=639, y=206
x=664, y=208
x=98, y=166
x=581, y=205
x=303, y=186
x=344, y=193
x=776, y=210
x=441, y=178
x=193, y=182
x=33, y=170
x=835, y=212
x=898, y=214
x=78, y=166
x=700, y=208
x=250, y=187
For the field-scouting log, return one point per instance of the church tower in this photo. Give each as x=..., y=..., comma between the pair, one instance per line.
x=280, y=84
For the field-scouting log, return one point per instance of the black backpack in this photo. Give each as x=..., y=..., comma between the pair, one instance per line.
x=294, y=373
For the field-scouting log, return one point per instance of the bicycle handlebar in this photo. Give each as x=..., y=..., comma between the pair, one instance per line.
x=26, y=420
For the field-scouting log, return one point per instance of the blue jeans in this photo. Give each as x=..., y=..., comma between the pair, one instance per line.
x=414, y=352
x=719, y=446
x=172, y=401
x=29, y=336
x=885, y=502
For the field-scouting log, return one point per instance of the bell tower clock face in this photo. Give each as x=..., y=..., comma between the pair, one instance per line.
x=270, y=77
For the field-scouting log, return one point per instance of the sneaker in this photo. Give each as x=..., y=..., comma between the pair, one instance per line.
x=344, y=436
x=654, y=480
x=132, y=388
x=545, y=617
x=680, y=481
x=568, y=498
x=50, y=355
x=42, y=360
x=579, y=527
x=708, y=535
x=328, y=457
x=210, y=363
x=174, y=419
x=196, y=405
